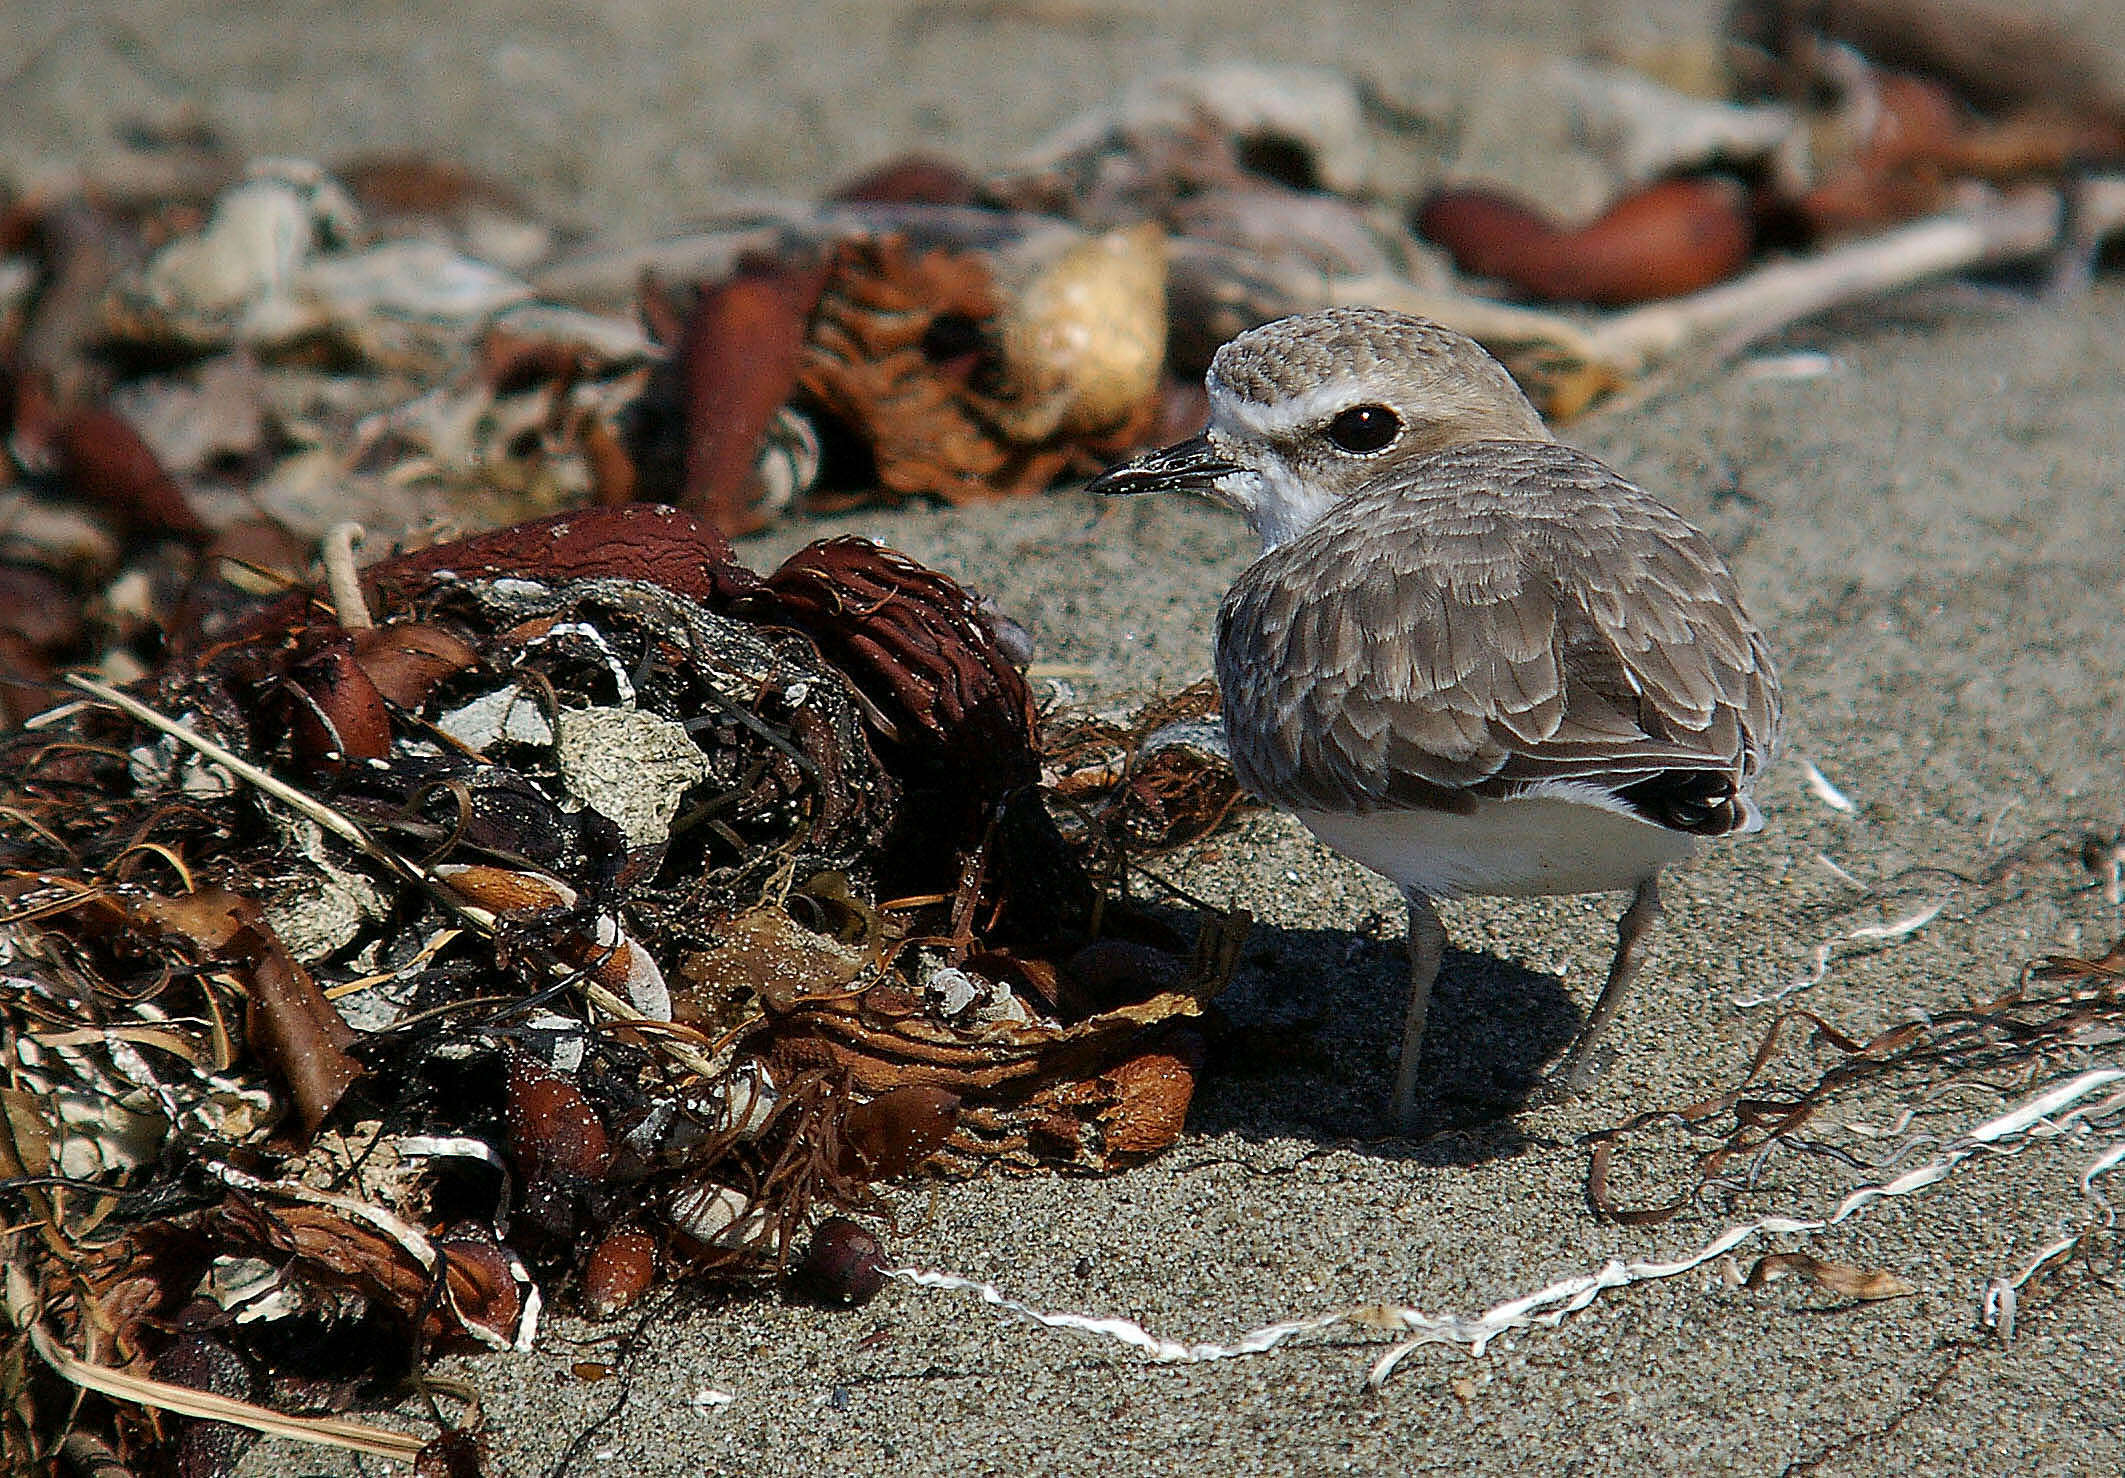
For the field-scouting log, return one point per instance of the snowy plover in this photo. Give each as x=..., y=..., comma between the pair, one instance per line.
x=1475, y=660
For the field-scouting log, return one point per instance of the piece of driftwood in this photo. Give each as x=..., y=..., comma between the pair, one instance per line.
x=1567, y=363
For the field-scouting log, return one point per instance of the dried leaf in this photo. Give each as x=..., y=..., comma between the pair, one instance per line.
x=335, y=713
x=1836, y=1277
x=889, y=1136
x=737, y=359
x=290, y=1024
x=383, y=1260
x=296, y=1031
x=482, y=1286
x=1678, y=236
x=103, y=460
x=407, y=659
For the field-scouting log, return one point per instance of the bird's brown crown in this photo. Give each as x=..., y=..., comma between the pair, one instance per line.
x=1293, y=375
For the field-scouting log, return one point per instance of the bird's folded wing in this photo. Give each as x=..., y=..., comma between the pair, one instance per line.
x=1529, y=616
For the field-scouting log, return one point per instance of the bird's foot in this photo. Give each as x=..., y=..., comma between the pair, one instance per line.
x=1574, y=1077
x=1407, y=1116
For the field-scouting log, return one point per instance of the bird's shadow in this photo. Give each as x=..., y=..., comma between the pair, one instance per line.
x=1305, y=1042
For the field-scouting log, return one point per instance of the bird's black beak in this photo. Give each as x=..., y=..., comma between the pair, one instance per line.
x=1191, y=465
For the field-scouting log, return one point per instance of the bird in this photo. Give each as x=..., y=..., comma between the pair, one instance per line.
x=1472, y=658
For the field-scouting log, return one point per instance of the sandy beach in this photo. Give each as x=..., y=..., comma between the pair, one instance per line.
x=1920, y=501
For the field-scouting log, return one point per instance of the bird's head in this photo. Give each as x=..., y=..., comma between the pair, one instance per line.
x=1306, y=411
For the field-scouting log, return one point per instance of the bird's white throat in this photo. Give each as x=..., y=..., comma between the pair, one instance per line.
x=1277, y=504
x=1276, y=501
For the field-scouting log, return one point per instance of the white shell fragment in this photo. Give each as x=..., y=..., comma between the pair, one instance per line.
x=1825, y=792
x=506, y=714
x=95, y=1135
x=323, y=906
x=748, y=1100
x=790, y=459
x=554, y=1039
x=608, y=340
x=1643, y=130
x=414, y=281
x=251, y=1288
x=953, y=989
x=634, y=767
x=644, y=985
x=154, y=765
x=1004, y=1008
x=276, y=263
x=19, y=277
x=235, y=278
x=716, y=1215
x=216, y=411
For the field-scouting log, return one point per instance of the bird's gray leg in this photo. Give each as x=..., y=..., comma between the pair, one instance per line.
x=1634, y=936
x=1427, y=947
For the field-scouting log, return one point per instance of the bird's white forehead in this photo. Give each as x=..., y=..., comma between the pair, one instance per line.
x=1243, y=416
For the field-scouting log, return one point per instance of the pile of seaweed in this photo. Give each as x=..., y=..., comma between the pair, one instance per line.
x=553, y=913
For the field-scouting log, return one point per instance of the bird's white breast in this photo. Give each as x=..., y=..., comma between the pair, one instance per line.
x=1551, y=841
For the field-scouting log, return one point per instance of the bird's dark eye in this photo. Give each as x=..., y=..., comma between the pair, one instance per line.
x=1365, y=428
